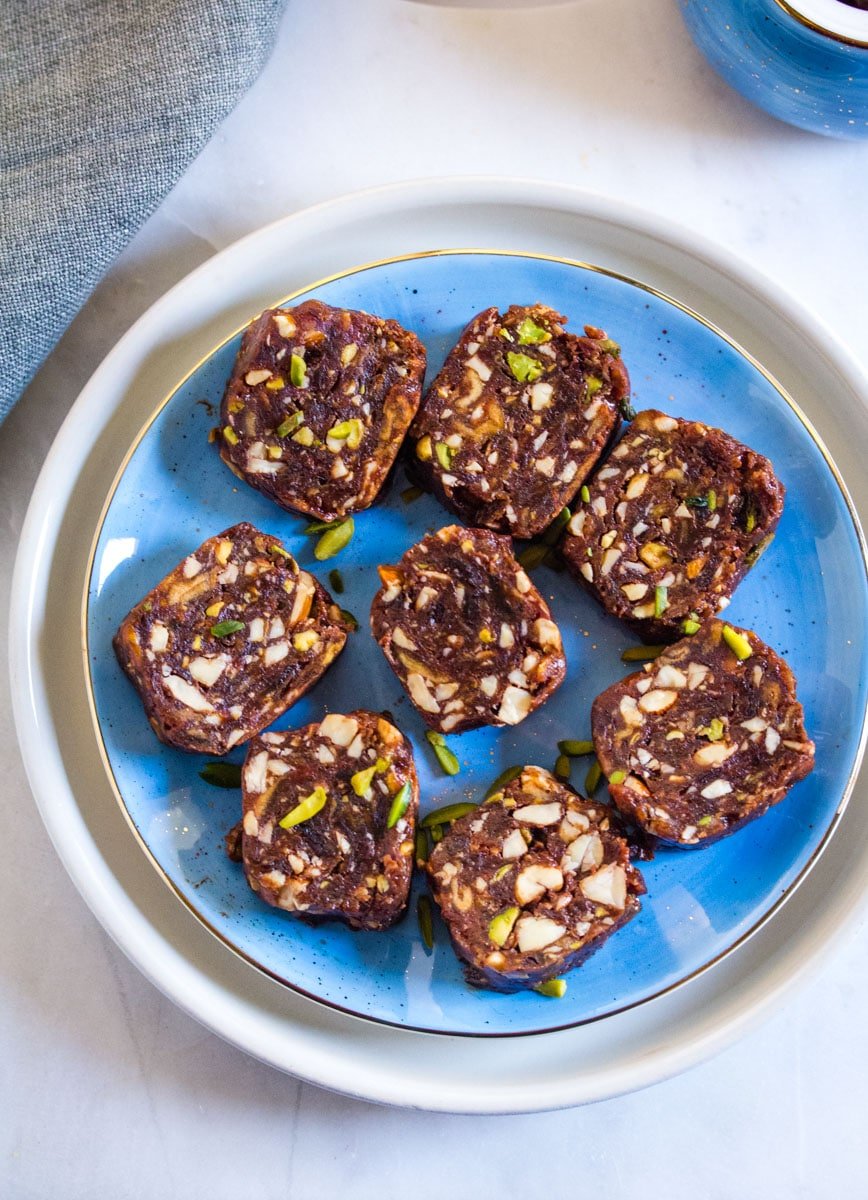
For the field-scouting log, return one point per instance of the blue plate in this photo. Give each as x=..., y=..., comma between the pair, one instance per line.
x=807, y=598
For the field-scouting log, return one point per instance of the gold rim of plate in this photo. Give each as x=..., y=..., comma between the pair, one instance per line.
x=91, y=699
x=809, y=23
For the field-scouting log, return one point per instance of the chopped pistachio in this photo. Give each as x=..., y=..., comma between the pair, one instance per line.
x=222, y=774
x=305, y=436
x=442, y=753
x=523, y=368
x=712, y=500
x=447, y=814
x=714, y=730
x=350, y=432
x=400, y=802
x=426, y=921
x=424, y=449
x=690, y=626
x=641, y=653
x=753, y=556
x=611, y=347
x=506, y=335
x=502, y=780
x=593, y=384
x=230, y=435
x=410, y=494
x=296, y=370
x=661, y=600
x=445, y=454
x=336, y=580
x=500, y=872
x=213, y=610
x=617, y=777
x=275, y=384
x=500, y=927
x=531, y=334
x=576, y=749
x=227, y=628
x=592, y=779
x=306, y=808
x=563, y=767
x=436, y=832
x=585, y=494
x=750, y=521
x=334, y=539
x=486, y=636
x=703, y=821
x=289, y=424
x=737, y=643
x=319, y=526
x=554, y=988
x=279, y=550
x=361, y=781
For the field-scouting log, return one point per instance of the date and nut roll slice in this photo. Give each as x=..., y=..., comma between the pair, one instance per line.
x=704, y=739
x=318, y=404
x=517, y=417
x=228, y=641
x=674, y=518
x=329, y=819
x=466, y=632
x=532, y=883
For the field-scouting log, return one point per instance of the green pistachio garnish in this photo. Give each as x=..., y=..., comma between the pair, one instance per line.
x=336, y=580
x=690, y=625
x=502, y=780
x=661, y=600
x=641, y=653
x=737, y=643
x=752, y=557
x=531, y=334
x=426, y=921
x=750, y=521
x=296, y=370
x=442, y=753
x=500, y=927
x=523, y=368
x=305, y=809
x=500, y=872
x=563, y=767
x=617, y=777
x=705, y=820
x=445, y=455
x=227, y=628
x=592, y=779
x=576, y=749
x=222, y=774
x=447, y=814
x=712, y=500
x=335, y=538
x=714, y=730
x=350, y=619
x=230, y=435
x=400, y=803
x=554, y=988
x=585, y=494
x=279, y=551
x=289, y=424
x=593, y=385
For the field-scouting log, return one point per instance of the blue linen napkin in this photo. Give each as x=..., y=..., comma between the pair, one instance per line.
x=104, y=105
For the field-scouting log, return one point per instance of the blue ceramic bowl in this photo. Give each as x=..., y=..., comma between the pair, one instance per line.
x=807, y=597
x=803, y=61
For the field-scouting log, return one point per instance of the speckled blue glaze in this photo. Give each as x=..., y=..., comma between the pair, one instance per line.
x=807, y=597
x=798, y=74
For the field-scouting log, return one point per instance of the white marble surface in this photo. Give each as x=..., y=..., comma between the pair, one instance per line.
x=109, y=1091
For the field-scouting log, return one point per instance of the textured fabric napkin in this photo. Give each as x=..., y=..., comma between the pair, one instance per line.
x=104, y=104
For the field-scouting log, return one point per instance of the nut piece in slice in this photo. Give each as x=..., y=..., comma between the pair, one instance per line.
x=228, y=641
x=517, y=417
x=532, y=882
x=466, y=632
x=675, y=517
x=318, y=404
x=704, y=739
x=329, y=819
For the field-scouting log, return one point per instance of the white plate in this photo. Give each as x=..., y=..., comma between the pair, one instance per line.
x=618, y=1054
